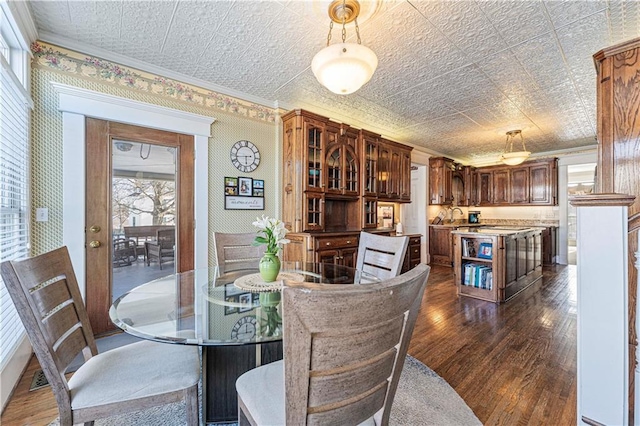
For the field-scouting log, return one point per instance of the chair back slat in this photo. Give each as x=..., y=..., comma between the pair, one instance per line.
x=355, y=381
x=381, y=256
x=366, y=342
x=69, y=347
x=345, y=347
x=237, y=251
x=48, y=296
x=59, y=322
x=351, y=414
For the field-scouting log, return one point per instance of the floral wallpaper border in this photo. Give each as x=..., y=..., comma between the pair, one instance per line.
x=57, y=58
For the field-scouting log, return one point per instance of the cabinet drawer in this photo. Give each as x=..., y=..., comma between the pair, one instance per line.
x=414, y=252
x=336, y=242
x=414, y=241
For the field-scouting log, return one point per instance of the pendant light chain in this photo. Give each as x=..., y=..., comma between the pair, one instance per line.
x=329, y=36
x=358, y=31
x=344, y=21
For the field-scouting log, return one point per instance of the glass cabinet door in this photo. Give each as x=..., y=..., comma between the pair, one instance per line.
x=314, y=156
x=313, y=212
x=351, y=172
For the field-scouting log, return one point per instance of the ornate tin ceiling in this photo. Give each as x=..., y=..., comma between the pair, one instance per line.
x=453, y=77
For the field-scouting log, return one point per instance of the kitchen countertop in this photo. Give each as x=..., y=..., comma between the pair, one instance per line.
x=494, y=230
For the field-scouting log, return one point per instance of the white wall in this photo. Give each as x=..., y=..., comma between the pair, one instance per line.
x=13, y=369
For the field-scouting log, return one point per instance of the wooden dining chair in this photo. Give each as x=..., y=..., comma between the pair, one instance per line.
x=237, y=251
x=344, y=350
x=381, y=256
x=129, y=378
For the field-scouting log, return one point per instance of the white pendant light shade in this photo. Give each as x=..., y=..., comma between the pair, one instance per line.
x=511, y=157
x=515, y=158
x=343, y=68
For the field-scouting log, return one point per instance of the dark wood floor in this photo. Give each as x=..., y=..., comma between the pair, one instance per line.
x=514, y=364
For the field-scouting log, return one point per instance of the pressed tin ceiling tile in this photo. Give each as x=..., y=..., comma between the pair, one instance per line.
x=497, y=62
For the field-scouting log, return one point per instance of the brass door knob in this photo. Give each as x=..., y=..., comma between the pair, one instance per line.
x=94, y=244
x=95, y=229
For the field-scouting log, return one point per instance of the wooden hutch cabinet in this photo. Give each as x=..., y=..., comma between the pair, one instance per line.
x=334, y=175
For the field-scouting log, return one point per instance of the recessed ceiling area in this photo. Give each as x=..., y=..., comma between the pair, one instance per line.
x=453, y=76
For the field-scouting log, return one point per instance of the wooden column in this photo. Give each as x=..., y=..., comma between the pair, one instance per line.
x=618, y=88
x=602, y=302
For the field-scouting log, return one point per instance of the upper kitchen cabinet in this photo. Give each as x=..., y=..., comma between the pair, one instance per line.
x=450, y=182
x=531, y=183
x=369, y=165
x=543, y=182
x=394, y=171
x=440, y=180
x=342, y=165
x=501, y=189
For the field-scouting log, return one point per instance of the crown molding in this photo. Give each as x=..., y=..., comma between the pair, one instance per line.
x=128, y=61
x=20, y=14
x=82, y=101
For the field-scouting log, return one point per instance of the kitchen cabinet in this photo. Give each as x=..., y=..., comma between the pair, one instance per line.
x=519, y=190
x=549, y=245
x=412, y=257
x=501, y=188
x=543, y=183
x=440, y=245
x=496, y=266
x=484, y=195
x=531, y=183
x=405, y=175
x=394, y=171
x=440, y=180
x=369, y=213
x=369, y=164
x=342, y=166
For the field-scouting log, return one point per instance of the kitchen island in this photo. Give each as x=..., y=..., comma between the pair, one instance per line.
x=496, y=263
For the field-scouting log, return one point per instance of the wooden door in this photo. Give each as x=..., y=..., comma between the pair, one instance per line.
x=405, y=175
x=369, y=165
x=541, y=184
x=100, y=137
x=313, y=155
x=348, y=257
x=520, y=185
x=327, y=256
x=501, y=186
x=485, y=188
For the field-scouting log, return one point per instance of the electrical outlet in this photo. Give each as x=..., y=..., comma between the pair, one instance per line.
x=42, y=214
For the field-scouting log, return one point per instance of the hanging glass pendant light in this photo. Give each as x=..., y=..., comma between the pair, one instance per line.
x=511, y=157
x=344, y=67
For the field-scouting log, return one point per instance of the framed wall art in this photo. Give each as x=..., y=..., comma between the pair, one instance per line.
x=243, y=193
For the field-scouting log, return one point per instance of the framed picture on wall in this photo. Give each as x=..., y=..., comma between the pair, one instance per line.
x=245, y=186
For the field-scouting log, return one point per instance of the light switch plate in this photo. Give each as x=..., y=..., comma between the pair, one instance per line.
x=42, y=214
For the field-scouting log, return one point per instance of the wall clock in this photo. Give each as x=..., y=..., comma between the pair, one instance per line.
x=245, y=156
x=244, y=328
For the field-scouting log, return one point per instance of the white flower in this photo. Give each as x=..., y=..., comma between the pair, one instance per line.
x=274, y=233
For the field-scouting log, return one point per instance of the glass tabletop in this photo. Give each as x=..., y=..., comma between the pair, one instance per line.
x=206, y=307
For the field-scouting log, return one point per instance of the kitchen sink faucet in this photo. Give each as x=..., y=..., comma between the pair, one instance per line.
x=452, y=211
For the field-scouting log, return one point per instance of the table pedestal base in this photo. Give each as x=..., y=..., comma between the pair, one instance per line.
x=221, y=367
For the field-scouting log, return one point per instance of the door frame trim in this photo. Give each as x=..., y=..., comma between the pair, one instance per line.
x=76, y=104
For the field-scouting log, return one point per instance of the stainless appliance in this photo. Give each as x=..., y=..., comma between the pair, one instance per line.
x=474, y=217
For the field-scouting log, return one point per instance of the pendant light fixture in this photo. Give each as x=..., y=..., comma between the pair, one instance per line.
x=344, y=67
x=510, y=157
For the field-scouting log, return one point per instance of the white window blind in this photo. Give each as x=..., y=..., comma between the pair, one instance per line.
x=14, y=185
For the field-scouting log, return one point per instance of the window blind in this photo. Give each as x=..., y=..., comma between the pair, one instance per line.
x=14, y=185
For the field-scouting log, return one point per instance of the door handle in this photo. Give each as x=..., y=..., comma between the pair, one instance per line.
x=95, y=244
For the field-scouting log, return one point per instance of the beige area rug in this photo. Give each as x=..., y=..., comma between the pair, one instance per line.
x=423, y=398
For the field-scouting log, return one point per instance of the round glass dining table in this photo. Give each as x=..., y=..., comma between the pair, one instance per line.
x=237, y=329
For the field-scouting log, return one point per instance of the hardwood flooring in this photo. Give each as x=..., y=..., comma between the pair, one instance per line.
x=514, y=364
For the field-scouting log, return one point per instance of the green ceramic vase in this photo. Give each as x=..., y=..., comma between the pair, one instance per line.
x=269, y=267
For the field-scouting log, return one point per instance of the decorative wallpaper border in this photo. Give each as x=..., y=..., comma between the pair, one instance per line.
x=67, y=61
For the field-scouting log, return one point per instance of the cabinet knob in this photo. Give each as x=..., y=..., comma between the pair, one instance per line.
x=328, y=244
x=348, y=241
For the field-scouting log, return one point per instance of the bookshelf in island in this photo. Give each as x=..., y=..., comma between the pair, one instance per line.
x=495, y=264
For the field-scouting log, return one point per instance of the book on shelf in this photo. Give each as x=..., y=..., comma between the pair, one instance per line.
x=468, y=248
x=478, y=276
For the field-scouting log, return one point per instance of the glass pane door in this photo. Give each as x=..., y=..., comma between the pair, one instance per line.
x=143, y=212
